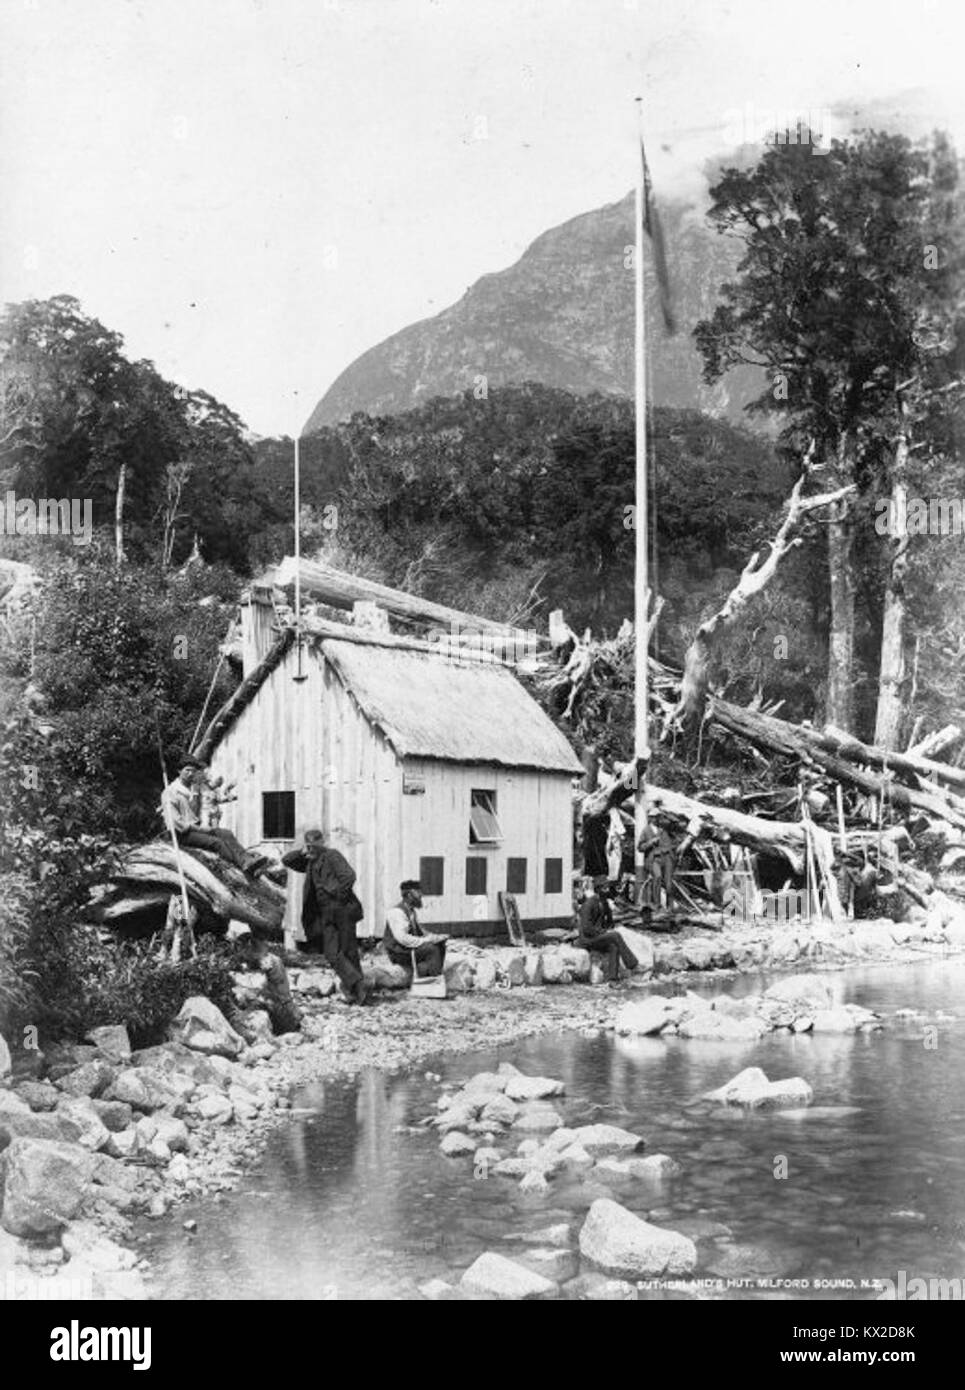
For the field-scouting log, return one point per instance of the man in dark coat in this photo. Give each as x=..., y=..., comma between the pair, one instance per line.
x=597, y=932
x=330, y=910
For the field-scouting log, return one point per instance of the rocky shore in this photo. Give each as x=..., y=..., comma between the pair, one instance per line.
x=94, y=1135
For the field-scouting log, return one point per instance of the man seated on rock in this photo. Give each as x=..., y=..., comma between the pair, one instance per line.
x=597, y=932
x=405, y=937
x=276, y=995
x=181, y=810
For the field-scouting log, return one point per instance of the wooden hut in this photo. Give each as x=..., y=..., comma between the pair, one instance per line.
x=416, y=763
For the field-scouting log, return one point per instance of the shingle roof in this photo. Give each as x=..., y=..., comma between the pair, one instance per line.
x=429, y=706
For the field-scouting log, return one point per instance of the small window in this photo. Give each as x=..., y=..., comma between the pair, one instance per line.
x=554, y=876
x=475, y=876
x=278, y=815
x=515, y=875
x=431, y=876
x=484, y=828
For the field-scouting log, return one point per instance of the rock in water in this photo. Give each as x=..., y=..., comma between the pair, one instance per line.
x=751, y=1088
x=638, y=1020
x=505, y=1279
x=46, y=1183
x=616, y=1242
x=454, y=1144
x=606, y=1139
x=533, y=1087
x=203, y=1027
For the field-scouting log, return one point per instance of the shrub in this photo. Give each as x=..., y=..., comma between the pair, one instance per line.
x=86, y=977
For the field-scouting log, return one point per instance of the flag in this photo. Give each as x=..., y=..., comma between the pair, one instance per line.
x=654, y=230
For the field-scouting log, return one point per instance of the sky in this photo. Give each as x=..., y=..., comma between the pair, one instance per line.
x=253, y=192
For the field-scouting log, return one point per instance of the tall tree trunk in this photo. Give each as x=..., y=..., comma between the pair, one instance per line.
x=756, y=574
x=840, y=703
x=119, y=515
x=891, y=678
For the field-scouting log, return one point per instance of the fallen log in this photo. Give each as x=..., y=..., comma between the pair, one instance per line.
x=340, y=590
x=810, y=746
x=211, y=883
x=941, y=741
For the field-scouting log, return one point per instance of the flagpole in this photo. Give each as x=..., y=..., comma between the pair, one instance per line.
x=641, y=750
x=299, y=674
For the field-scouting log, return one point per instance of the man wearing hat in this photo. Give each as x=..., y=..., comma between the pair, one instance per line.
x=404, y=935
x=597, y=932
x=181, y=809
x=330, y=910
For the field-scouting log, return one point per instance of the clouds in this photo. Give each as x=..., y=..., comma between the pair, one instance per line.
x=186, y=169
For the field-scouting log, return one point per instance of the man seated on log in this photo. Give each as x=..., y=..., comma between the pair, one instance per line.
x=181, y=808
x=597, y=932
x=404, y=936
x=330, y=910
x=255, y=954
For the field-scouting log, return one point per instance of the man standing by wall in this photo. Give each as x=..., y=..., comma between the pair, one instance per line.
x=330, y=910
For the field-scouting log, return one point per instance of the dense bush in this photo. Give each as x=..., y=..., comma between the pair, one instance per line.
x=85, y=977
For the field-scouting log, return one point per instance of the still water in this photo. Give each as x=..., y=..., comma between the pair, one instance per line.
x=345, y=1204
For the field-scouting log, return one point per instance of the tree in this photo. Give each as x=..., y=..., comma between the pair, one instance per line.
x=832, y=299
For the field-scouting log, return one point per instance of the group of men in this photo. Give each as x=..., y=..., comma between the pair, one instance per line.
x=331, y=909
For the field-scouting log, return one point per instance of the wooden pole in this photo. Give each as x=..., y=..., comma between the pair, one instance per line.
x=168, y=821
x=299, y=673
x=641, y=578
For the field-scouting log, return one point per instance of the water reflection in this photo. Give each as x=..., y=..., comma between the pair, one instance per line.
x=870, y=1182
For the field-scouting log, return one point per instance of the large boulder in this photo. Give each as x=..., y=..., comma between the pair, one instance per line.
x=718, y=1027
x=92, y=1133
x=455, y=1144
x=90, y=1079
x=383, y=973
x=203, y=1027
x=6, y=1061
x=39, y=1095
x=606, y=1139
x=533, y=1087
x=485, y=975
x=145, y=1089
x=751, y=1088
x=641, y=946
x=498, y=1110
x=533, y=967
x=838, y=1020
x=804, y=993
x=46, y=1183
x=563, y=964
x=12, y=1104
x=30, y=1126
x=537, y=1115
x=615, y=1241
x=112, y=1040
x=459, y=975
x=650, y=1015
x=510, y=965
x=698, y=953
x=505, y=1279
x=115, y=1115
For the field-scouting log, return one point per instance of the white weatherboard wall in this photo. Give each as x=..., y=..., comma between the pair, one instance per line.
x=534, y=810
x=310, y=737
